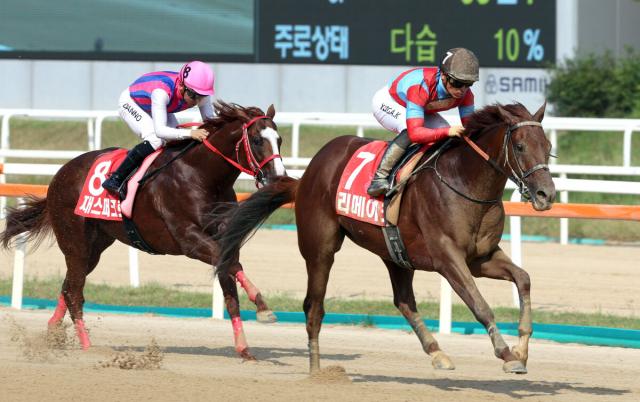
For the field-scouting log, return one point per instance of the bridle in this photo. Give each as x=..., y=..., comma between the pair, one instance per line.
x=517, y=175
x=255, y=167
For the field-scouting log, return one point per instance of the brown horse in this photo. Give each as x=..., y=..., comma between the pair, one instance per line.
x=172, y=209
x=451, y=220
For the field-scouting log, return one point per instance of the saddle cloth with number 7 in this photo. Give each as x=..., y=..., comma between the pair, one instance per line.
x=352, y=199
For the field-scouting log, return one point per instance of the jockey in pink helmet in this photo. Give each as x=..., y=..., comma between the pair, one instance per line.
x=148, y=106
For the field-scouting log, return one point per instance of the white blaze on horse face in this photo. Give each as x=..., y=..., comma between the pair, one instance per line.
x=272, y=136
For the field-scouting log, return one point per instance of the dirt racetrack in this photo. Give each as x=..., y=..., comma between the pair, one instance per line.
x=199, y=362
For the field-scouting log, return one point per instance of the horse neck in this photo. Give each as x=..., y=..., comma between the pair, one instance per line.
x=211, y=167
x=468, y=170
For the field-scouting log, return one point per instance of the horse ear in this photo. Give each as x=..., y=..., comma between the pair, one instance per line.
x=540, y=113
x=506, y=116
x=271, y=111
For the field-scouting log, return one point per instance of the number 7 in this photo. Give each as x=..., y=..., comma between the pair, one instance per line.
x=366, y=158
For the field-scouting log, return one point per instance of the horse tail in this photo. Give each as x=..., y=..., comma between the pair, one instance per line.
x=240, y=222
x=30, y=217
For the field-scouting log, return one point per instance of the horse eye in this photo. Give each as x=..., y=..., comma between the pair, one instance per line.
x=519, y=147
x=257, y=141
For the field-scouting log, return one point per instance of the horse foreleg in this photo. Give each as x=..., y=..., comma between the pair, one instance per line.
x=233, y=308
x=460, y=279
x=263, y=312
x=500, y=266
x=59, y=313
x=404, y=299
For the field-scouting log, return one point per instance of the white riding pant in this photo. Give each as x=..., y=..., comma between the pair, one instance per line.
x=140, y=122
x=393, y=116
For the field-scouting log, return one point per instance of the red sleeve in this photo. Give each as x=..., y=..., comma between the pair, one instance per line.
x=424, y=135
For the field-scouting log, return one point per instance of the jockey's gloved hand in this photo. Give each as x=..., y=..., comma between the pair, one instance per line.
x=199, y=134
x=456, y=131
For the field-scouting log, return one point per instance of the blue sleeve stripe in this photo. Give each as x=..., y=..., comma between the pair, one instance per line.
x=140, y=94
x=414, y=111
x=465, y=110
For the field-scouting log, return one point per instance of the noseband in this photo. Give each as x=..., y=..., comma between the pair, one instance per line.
x=255, y=167
x=519, y=176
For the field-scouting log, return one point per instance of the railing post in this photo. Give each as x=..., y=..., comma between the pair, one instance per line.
x=217, y=302
x=18, y=270
x=444, y=326
x=134, y=271
x=4, y=144
x=564, y=222
x=360, y=132
x=97, y=139
x=553, y=139
x=295, y=139
x=90, y=134
x=626, y=147
x=515, y=223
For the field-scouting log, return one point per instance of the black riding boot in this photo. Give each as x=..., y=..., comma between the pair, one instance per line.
x=114, y=184
x=395, y=150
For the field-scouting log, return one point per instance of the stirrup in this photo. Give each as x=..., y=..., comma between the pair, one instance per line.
x=119, y=190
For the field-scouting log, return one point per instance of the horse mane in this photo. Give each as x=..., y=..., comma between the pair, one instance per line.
x=229, y=112
x=490, y=116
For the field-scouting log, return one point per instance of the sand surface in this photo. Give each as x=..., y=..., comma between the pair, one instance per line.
x=199, y=362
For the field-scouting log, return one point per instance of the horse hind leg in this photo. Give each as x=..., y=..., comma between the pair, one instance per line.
x=405, y=302
x=263, y=312
x=500, y=266
x=79, y=264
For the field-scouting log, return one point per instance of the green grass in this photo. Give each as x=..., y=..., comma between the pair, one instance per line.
x=157, y=295
x=593, y=148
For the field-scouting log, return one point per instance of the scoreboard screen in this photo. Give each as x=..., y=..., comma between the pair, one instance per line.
x=503, y=33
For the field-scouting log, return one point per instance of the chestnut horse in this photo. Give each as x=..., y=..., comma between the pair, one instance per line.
x=172, y=210
x=451, y=219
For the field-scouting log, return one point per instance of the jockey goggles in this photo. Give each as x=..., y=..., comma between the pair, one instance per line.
x=192, y=94
x=458, y=84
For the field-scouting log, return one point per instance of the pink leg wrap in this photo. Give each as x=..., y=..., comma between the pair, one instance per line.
x=238, y=334
x=248, y=287
x=83, y=336
x=61, y=310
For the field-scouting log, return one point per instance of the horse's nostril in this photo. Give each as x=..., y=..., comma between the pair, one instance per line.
x=540, y=194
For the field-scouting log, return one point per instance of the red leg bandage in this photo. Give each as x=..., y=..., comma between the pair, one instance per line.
x=238, y=334
x=61, y=310
x=248, y=287
x=83, y=335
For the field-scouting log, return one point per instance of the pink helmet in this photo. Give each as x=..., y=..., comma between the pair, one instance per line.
x=197, y=76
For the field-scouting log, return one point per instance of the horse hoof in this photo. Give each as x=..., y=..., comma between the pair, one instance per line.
x=440, y=361
x=266, y=317
x=247, y=356
x=515, y=367
x=519, y=355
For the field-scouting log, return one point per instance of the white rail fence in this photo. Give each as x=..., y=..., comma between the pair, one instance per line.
x=552, y=125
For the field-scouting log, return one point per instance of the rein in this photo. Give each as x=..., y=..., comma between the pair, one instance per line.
x=255, y=167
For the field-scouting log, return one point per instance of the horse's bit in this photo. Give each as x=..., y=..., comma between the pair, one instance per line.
x=255, y=167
